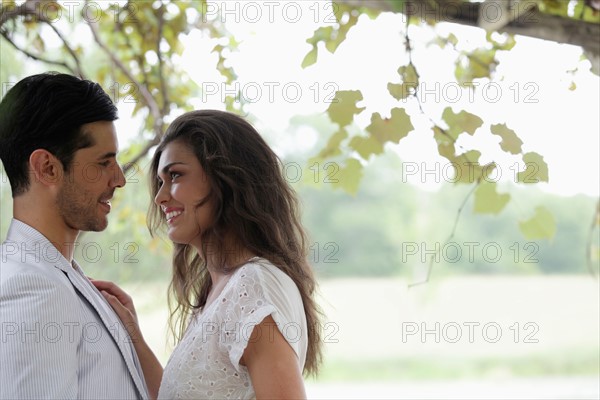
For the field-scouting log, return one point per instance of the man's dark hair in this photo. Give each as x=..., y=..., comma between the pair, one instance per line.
x=46, y=111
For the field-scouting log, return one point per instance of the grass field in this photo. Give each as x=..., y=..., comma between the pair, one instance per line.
x=463, y=329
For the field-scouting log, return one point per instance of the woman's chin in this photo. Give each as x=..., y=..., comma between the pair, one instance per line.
x=182, y=239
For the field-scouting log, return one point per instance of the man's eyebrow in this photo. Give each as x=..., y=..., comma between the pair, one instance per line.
x=107, y=155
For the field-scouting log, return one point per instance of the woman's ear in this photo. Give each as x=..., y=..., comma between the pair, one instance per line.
x=45, y=167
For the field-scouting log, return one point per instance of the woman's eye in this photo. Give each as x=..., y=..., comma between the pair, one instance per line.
x=174, y=175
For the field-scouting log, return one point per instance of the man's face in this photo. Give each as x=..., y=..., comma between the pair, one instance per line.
x=88, y=186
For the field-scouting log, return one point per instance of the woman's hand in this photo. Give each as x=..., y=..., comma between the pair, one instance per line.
x=123, y=305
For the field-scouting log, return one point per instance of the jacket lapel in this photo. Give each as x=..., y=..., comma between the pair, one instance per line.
x=21, y=233
x=113, y=325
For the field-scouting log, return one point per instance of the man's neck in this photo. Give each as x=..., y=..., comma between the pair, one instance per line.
x=49, y=224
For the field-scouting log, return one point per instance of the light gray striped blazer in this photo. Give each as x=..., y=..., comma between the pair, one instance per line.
x=59, y=338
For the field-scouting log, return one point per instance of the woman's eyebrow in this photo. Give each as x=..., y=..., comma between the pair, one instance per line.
x=166, y=168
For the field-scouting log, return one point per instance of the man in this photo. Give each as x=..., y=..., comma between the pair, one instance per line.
x=60, y=339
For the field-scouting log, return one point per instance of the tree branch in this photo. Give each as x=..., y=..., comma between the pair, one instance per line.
x=29, y=8
x=69, y=49
x=452, y=232
x=36, y=57
x=9, y=13
x=131, y=163
x=153, y=107
x=588, y=247
x=146, y=95
x=533, y=23
x=409, y=49
x=163, y=87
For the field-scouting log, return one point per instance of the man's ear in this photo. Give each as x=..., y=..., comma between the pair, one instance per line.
x=45, y=167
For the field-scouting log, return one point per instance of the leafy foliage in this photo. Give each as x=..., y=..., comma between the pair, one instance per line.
x=138, y=46
x=510, y=141
x=488, y=200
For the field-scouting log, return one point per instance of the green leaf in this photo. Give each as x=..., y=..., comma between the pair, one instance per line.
x=472, y=156
x=409, y=74
x=447, y=151
x=349, y=176
x=342, y=112
x=510, y=141
x=445, y=144
x=38, y=44
x=333, y=144
x=382, y=130
x=467, y=167
x=488, y=200
x=391, y=129
x=440, y=135
x=469, y=170
x=410, y=81
x=541, y=226
x=536, y=169
x=399, y=91
x=452, y=39
x=462, y=122
x=478, y=64
x=331, y=36
x=507, y=41
x=310, y=58
x=365, y=146
x=339, y=35
x=321, y=34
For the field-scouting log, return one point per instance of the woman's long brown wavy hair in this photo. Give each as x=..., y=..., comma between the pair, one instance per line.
x=253, y=204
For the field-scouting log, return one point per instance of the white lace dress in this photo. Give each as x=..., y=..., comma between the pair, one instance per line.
x=205, y=364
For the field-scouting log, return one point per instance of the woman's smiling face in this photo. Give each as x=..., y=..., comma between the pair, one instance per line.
x=183, y=194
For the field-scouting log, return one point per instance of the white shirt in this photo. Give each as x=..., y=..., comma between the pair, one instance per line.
x=206, y=363
x=60, y=339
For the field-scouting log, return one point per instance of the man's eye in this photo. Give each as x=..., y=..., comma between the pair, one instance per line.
x=105, y=163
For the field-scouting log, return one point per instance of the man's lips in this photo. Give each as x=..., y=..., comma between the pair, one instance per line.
x=106, y=204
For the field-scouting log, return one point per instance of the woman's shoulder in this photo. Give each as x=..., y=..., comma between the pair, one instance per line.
x=258, y=277
x=262, y=271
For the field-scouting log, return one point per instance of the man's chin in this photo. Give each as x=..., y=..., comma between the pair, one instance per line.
x=96, y=226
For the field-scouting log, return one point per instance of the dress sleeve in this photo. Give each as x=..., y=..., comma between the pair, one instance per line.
x=256, y=293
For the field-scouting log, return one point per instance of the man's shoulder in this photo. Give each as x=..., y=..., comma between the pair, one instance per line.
x=32, y=294
x=20, y=270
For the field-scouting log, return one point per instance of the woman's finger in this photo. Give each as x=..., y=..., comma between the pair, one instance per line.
x=123, y=312
x=116, y=291
x=110, y=287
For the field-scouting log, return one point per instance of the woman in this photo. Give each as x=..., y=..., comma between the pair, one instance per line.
x=242, y=306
